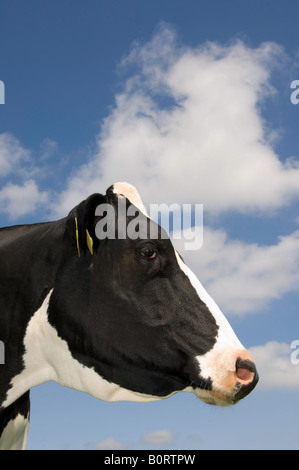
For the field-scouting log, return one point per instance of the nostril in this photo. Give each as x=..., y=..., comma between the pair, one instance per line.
x=247, y=378
x=244, y=374
x=245, y=371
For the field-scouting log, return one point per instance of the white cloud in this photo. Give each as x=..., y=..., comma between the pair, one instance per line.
x=18, y=200
x=110, y=444
x=188, y=128
x=48, y=148
x=12, y=154
x=17, y=164
x=156, y=438
x=275, y=366
x=159, y=437
x=244, y=277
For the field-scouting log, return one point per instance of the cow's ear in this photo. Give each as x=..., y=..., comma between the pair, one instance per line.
x=80, y=225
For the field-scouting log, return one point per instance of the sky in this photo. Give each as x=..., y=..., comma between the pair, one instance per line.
x=191, y=102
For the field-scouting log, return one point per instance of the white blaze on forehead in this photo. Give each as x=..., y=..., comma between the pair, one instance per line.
x=131, y=193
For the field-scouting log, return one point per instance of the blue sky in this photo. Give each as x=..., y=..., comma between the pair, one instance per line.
x=190, y=102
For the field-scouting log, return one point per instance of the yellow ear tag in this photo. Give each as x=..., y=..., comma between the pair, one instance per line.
x=89, y=242
x=77, y=236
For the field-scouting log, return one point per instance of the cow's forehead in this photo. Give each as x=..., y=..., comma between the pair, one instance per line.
x=130, y=192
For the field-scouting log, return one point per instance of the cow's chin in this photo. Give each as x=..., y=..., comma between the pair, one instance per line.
x=214, y=397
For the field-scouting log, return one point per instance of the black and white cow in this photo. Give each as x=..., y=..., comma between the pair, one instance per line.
x=118, y=318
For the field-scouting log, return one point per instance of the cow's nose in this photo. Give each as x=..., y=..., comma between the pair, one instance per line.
x=247, y=377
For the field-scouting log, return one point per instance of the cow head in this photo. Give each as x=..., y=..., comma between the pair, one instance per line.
x=134, y=318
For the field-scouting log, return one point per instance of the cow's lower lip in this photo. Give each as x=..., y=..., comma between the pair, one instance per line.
x=214, y=397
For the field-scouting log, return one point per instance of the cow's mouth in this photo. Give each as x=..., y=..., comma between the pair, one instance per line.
x=215, y=398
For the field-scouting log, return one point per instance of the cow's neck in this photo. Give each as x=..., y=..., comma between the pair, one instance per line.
x=34, y=255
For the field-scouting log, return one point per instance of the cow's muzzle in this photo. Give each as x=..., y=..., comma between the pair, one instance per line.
x=229, y=383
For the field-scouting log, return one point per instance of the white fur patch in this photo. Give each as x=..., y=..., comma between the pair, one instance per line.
x=14, y=436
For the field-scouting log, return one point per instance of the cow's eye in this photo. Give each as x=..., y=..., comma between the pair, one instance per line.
x=148, y=252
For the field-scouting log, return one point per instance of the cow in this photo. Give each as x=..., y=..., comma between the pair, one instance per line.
x=117, y=317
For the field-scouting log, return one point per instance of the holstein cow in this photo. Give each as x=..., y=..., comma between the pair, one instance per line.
x=121, y=318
